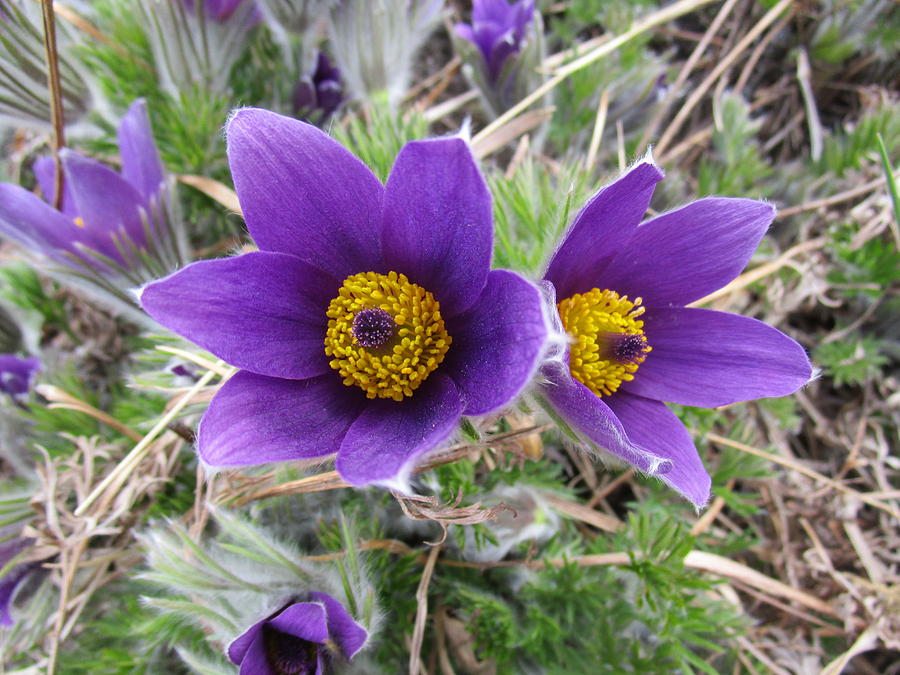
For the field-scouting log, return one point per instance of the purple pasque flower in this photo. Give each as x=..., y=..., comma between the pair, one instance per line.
x=12, y=575
x=102, y=212
x=304, y=638
x=16, y=374
x=498, y=29
x=369, y=321
x=319, y=94
x=621, y=290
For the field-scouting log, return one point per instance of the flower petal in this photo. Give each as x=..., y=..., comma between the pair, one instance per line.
x=305, y=620
x=255, y=660
x=437, y=221
x=141, y=165
x=255, y=419
x=652, y=425
x=706, y=358
x=30, y=222
x=238, y=649
x=389, y=436
x=305, y=194
x=601, y=229
x=106, y=202
x=342, y=628
x=17, y=374
x=686, y=254
x=261, y=311
x=588, y=415
x=44, y=169
x=496, y=343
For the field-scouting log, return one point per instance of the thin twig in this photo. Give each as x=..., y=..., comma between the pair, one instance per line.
x=56, y=103
x=684, y=73
x=700, y=91
x=835, y=199
x=422, y=611
x=804, y=77
x=133, y=458
x=641, y=26
x=61, y=399
x=806, y=471
x=597, y=134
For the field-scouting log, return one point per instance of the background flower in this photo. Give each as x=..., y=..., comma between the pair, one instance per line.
x=336, y=247
x=626, y=357
x=299, y=639
x=113, y=230
x=318, y=94
x=498, y=29
x=17, y=373
x=503, y=51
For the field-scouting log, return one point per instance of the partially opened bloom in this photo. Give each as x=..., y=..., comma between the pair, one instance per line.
x=16, y=374
x=621, y=291
x=502, y=49
x=112, y=227
x=369, y=321
x=498, y=29
x=318, y=94
x=304, y=638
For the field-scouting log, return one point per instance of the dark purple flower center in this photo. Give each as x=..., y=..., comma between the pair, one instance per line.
x=289, y=654
x=628, y=348
x=373, y=328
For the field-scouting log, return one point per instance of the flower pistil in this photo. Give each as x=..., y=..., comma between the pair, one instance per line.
x=289, y=654
x=385, y=334
x=608, y=338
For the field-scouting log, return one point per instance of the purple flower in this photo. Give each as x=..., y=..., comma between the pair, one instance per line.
x=11, y=578
x=301, y=639
x=221, y=10
x=16, y=374
x=306, y=317
x=319, y=94
x=622, y=289
x=101, y=211
x=498, y=30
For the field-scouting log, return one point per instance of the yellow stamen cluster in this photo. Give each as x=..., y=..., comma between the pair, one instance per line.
x=79, y=221
x=396, y=368
x=593, y=320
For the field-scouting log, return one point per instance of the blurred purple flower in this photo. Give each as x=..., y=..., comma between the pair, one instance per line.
x=222, y=10
x=626, y=356
x=16, y=374
x=498, y=30
x=304, y=638
x=319, y=94
x=390, y=285
x=100, y=208
x=12, y=577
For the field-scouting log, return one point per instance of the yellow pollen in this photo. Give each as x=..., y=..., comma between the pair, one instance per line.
x=597, y=321
x=79, y=221
x=396, y=368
